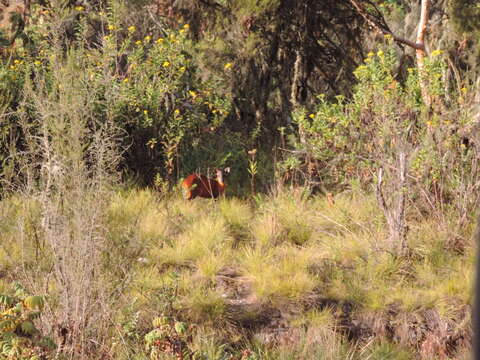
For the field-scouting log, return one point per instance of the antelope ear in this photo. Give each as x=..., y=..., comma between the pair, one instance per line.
x=226, y=170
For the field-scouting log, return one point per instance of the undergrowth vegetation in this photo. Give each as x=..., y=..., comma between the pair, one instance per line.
x=233, y=272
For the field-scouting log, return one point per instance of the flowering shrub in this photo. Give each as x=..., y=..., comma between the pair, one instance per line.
x=341, y=141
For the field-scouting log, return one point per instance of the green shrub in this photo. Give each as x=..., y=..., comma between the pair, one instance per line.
x=19, y=337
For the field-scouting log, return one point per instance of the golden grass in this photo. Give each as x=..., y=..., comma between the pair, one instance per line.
x=289, y=247
x=278, y=275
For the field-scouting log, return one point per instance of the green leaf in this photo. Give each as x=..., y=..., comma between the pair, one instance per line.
x=153, y=336
x=28, y=328
x=34, y=302
x=7, y=300
x=180, y=327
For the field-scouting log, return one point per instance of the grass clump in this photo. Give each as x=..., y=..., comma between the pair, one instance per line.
x=237, y=215
x=278, y=275
x=201, y=241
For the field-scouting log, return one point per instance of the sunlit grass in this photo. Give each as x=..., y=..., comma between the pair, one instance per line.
x=288, y=248
x=203, y=305
x=207, y=237
x=280, y=275
x=236, y=213
x=265, y=230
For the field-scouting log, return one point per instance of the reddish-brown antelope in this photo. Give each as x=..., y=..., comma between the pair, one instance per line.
x=202, y=186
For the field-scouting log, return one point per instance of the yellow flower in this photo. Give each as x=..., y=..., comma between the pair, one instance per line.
x=138, y=42
x=182, y=69
x=192, y=93
x=228, y=66
x=176, y=112
x=106, y=37
x=147, y=38
x=151, y=143
x=16, y=61
x=436, y=52
x=380, y=53
x=429, y=123
x=132, y=28
x=12, y=67
x=166, y=64
x=111, y=27
x=145, y=112
x=37, y=62
x=160, y=40
x=186, y=26
x=311, y=116
x=388, y=37
x=101, y=13
x=79, y=8
x=370, y=54
x=182, y=31
x=410, y=70
x=126, y=80
x=171, y=36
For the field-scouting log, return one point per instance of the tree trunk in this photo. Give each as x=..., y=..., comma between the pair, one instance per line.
x=420, y=51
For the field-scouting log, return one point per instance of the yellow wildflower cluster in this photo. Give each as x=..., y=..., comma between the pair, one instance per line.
x=132, y=29
x=111, y=27
x=177, y=112
x=79, y=8
x=166, y=64
x=436, y=52
x=147, y=38
x=311, y=116
x=160, y=40
x=228, y=66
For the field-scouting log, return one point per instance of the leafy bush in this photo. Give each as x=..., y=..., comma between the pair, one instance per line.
x=19, y=337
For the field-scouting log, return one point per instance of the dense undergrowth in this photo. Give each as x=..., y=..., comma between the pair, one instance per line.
x=283, y=277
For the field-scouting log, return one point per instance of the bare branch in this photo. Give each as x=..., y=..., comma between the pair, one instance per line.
x=384, y=29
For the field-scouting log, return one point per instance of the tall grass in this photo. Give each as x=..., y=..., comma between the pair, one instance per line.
x=222, y=266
